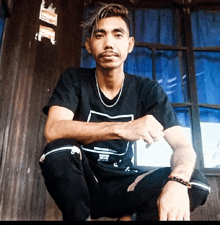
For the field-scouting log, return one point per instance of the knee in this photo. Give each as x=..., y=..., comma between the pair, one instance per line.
x=200, y=189
x=59, y=154
x=60, y=143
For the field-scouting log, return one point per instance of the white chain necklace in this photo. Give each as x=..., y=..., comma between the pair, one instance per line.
x=97, y=85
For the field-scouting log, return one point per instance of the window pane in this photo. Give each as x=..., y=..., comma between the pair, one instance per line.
x=171, y=74
x=2, y=24
x=205, y=27
x=183, y=115
x=159, y=153
x=87, y=60
x=210, y=126
x=207, y=66
x=139, y=62
x=170, y=70
x=155, y=26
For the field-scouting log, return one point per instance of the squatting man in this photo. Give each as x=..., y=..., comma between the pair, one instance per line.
x=94, y=117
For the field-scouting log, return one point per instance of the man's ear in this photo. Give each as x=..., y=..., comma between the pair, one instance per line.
x=87, y=45
x=131, y=44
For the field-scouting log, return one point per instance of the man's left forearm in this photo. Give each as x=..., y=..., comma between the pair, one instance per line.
x=183, y=162
x=173, y=202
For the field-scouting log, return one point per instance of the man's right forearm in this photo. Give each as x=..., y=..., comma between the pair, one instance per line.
x=146, y=128
x=84, y=132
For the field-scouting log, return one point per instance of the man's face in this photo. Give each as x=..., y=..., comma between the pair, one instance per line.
x=110, y=43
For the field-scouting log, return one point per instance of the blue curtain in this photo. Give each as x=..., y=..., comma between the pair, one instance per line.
x=3, y=15
x=206, y=33
x=155, y=26
x=2, y=25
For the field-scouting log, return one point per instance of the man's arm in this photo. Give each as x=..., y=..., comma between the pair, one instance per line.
x=184, y=157
x=173, y=202
x=60, y=125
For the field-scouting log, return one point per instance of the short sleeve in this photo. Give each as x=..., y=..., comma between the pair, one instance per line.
x=156, y=103
x=66, y=92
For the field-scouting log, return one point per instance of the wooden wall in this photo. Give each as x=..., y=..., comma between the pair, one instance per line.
x=211, y=209
x=29, y=71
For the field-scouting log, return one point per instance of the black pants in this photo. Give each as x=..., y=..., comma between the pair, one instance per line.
x=79, y=194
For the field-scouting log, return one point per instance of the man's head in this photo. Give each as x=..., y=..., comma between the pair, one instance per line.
x=109, y=40
x=105, y=11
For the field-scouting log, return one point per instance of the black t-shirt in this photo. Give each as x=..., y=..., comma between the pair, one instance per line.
x=77, y=91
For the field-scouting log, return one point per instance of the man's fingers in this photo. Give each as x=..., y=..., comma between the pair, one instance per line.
x=179, y=217
x=148, y=139
x=156, y=136
x=162, y=216
x=186, y=216
x=151, y=138
x=172, y=216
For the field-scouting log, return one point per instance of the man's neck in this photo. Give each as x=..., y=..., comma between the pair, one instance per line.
x=110, y=81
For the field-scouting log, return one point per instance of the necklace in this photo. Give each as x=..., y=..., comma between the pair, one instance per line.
x=109, y=106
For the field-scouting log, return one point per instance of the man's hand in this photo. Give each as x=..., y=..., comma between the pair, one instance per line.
x=146, y=128
x=173, y=202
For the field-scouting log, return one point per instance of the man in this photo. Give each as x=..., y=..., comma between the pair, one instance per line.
x=94, y=116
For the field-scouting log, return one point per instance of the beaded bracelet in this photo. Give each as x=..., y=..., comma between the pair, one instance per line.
x=181, y=181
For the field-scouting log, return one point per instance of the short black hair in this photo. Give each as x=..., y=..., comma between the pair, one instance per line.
x=105, y=11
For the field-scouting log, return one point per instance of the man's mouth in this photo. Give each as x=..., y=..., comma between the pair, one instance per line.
x=108, y=54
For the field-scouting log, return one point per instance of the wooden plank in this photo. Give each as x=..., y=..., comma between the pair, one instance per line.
x=30, y=70
x=43, y=74
x=14, y=173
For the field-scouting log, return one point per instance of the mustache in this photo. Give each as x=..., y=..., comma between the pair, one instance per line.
x=107, y=53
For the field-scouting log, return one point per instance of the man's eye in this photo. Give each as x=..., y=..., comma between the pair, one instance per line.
x=99, y=35
x=119, y=35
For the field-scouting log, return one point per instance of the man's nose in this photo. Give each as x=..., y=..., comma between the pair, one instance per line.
x=108, y=44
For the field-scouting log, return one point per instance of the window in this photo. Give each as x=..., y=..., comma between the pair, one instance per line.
x=166, y=39
x=206, y=43
x=3, y=15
